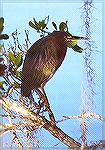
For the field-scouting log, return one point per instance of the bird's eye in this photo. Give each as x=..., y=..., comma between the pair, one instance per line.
x=68, y=37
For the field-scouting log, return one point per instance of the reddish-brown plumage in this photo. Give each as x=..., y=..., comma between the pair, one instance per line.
x=42, y=60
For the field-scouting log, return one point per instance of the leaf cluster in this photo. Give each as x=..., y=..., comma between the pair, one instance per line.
x=39, y=26
x=62, y=26
x=42, y=26
x=5, y=37
x=2, y=36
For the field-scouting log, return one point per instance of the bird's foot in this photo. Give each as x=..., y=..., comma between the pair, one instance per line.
x=40, y=106
x=51, y=116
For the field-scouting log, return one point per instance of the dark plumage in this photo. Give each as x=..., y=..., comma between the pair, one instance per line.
x=42, y=60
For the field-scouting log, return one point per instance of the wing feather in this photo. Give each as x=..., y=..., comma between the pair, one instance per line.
x=35, y=64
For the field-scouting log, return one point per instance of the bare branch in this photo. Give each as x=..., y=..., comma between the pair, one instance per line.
x=37, y=120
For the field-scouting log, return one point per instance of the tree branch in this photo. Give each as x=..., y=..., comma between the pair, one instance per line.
x=39, y=121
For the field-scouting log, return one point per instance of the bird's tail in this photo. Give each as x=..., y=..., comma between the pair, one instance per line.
x=25, y=91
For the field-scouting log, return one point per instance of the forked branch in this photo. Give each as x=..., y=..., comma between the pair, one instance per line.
x=36, y=120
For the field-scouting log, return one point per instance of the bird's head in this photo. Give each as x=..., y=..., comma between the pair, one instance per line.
x=69, y=40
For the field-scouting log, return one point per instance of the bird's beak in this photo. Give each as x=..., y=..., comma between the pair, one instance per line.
x=75, y=38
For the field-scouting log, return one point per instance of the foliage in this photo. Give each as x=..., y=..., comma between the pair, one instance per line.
x=2, y=66
x=2, y=36
x=42, y=28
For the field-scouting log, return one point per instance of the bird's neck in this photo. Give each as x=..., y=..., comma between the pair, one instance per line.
x=61, y=50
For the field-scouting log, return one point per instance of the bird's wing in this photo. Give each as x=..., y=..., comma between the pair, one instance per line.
x=35, y=68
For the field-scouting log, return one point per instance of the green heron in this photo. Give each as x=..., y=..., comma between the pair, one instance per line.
x=42, y=61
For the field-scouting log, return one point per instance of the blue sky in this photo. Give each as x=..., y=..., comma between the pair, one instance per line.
x=64, y=89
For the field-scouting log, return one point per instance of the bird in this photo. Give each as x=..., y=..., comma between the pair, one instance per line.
x=42, y=60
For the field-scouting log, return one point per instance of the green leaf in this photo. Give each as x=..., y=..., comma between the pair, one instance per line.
x=1, y=24
x=47, y=20
x=72, y=43
x=11, y=57
x=32, y=25
x=77, y=49
x=63, y=26
x=4, y=36
x=42, y=24
x=36, y=24
x=18, y=60
x=1, y=84
x=39, y=25
x=1, y=29
x=1, y=20
x=54, y=24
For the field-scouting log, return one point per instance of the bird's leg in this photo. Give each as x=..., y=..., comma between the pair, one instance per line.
x=44, y=99
x=33, y=102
